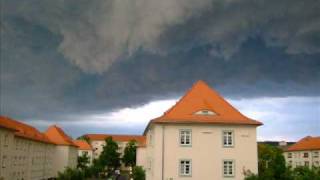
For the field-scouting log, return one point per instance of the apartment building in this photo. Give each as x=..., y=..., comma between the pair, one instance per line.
x=25, y=152
x=97, y=141
x=201, y=137
x=6, y=144
x=306, y=152
x=66, y=151
x=84, y=148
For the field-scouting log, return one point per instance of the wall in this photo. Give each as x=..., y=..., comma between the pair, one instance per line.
x=24, y=158
x=6, y=146
x=141, y=156
x=297, y=158
x=207, y=151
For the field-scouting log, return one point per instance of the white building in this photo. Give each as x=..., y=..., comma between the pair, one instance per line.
x=97, y=141
x=66, y=152
x=305, y=152
x=201, y=137
x=84, y=148
x=26, y=153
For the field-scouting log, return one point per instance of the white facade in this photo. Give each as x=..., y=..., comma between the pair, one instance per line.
x=164, y=155
x=22, y=158
x=27, y=154
x=307, y=158
x=6, y=146
x=65, y=156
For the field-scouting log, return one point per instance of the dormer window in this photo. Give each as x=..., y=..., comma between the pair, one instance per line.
x=205, y=112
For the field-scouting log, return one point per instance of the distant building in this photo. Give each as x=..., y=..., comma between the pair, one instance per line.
x=279, y=144
x=306, y=152
x=84, y=148
x=97, y=141
x=26, y=153
x=201, y=137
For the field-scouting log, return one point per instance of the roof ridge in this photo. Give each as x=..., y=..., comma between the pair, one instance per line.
x=183, y=97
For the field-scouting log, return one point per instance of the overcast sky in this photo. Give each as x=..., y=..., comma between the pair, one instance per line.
x=109, y=66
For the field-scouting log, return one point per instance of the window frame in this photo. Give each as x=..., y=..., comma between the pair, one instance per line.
x=180, y=167
x=315, y=154
x=289, y=155
x=190, y=138
x=233, y=168
x=232, y=139
x=305, y=155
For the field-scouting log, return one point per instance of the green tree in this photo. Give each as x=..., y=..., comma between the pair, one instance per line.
x=138, y=173
x=305, y=173
x=83, y=161
x=271, y=164
x=71, y=174
x=109, y=157
x=129, y=157
x=85, y=138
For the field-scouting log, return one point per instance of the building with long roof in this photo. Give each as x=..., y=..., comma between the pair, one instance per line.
x=26, y=153
x=306, y=152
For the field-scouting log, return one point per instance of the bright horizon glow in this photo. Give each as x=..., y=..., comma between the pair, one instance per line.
x=280, y=118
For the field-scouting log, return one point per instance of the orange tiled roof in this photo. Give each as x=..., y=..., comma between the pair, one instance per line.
x=119, y=138
x=83, y=145
x=202, y=97
x=306, y=143
x=23, y=130
x=57, y=135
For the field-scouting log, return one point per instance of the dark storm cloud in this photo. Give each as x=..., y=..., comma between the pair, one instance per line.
x=73, y=57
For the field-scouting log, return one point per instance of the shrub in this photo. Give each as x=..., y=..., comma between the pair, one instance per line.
x=71, y=174
x=138, y=173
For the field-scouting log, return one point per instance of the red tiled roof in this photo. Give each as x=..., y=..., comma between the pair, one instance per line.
x=23, y=130
x=306, y=143
x=120, y=138
x=202, y=97
x=83, y=145
x=57, y=135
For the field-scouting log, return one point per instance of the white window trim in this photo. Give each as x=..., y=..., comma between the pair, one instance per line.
x=233, y=168
x=190, y=168
x=180, y=134
x=232, y=138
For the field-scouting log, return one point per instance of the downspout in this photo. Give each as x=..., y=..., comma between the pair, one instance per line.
x=163, y=148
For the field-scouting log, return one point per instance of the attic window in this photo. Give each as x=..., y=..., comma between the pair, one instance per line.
x=205, y=112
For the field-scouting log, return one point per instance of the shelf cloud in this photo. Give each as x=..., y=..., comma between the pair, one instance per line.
x=61, y=60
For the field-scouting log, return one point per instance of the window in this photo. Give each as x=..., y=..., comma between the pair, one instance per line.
x=205, y=112
x=150, y=137
x=228, y=138
x=289, y=155
x=290, y=163
x=228, y=168
x=185, y=137
x=4, y=160
x=6, y=140
x=316, y=154
x=85, y=152
x=316, y=163
x=306, y=163
x=185, y=168
x=305, y=155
